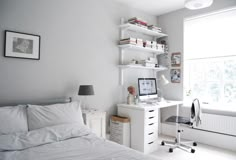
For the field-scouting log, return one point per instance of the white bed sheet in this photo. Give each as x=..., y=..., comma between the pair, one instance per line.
x=64, y=142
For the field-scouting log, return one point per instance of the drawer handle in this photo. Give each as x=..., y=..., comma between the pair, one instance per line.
x=151, y=124
x=151, y=110
x=150, y=143
x=151, y=117
x=150, y=133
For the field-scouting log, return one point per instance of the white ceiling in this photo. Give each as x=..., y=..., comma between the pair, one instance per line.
x=154, y=7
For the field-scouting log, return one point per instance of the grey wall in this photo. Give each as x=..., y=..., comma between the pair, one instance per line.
x=172, y=24
x=78, y=46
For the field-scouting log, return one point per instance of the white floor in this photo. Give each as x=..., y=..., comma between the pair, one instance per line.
x=203, y=152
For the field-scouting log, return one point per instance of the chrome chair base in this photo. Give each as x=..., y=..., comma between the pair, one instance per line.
x=181, y=145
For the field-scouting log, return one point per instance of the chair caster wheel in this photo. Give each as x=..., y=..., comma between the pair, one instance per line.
x=192, y=150
x=170, y=150
x=194, y=144
x=162, y=143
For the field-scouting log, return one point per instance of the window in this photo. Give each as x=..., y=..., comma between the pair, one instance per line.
x=210, y=58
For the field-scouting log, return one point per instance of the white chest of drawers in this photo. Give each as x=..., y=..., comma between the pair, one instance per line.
x=144, y=126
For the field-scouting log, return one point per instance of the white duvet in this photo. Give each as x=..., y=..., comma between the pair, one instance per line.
x=63, y=142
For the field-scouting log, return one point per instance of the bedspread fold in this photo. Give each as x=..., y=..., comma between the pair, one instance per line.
x=21, y=141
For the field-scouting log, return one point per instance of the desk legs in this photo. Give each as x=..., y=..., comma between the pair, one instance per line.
x=177, y=135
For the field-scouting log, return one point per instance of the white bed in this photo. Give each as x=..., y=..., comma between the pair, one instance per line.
x=64, y=142
x=44, y=140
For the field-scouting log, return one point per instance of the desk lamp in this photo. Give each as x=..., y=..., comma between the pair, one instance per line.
x=164, y=82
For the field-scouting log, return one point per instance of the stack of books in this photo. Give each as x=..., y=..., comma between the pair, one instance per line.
x=129, y=40
x=154, y=28
x=138, y=21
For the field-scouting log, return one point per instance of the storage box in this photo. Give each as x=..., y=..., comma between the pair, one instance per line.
x=161, y=47
x=120, y=130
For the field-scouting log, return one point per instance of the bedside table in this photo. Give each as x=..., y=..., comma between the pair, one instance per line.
x=96, y=121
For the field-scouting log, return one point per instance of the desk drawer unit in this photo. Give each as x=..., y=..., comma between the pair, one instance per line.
x=143, y=125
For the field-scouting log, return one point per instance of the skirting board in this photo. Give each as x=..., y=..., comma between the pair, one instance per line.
x=209, y=138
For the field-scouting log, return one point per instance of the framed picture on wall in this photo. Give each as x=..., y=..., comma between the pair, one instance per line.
x=22, y=45
x=175, y=75
x=176, y=59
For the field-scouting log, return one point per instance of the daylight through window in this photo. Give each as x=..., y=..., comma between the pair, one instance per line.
x=210, y=58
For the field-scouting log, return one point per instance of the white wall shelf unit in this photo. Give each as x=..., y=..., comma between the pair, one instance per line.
x=132, y=27
x=139, y=48
x=125, y=27
x=142, y=67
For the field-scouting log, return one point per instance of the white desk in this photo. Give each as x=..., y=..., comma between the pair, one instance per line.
x=144, y=123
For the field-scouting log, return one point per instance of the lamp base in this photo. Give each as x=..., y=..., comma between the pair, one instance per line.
x=160, y=99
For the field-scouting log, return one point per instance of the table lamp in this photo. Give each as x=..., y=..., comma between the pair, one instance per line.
x=85, y=90
x=164, y=82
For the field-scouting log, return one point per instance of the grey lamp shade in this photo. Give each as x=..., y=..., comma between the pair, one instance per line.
x=86, y=90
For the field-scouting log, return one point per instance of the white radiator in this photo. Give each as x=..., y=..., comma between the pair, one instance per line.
x=218, y=123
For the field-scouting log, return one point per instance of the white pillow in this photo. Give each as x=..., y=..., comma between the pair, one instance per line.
x=13, y=119
x=50, y=115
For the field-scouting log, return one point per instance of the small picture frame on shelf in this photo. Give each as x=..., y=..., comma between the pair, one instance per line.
x=22, y=45
x=175, y=75
x=176, y=59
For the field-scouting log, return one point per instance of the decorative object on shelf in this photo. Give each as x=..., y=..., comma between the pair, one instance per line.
x=133, y=62
x=131, y=95
x=160, y=48
x=150, y=62
x=147, y=44
x=197, y=4
x=154, y=44
x=85, y=90
x=166, y=49
x=22, y=45
x=175, y=75
x=176, y=59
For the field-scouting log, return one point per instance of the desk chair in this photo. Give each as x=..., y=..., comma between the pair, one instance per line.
x=195, y=117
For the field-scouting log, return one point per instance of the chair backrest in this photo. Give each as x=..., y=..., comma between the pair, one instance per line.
x=196, y=112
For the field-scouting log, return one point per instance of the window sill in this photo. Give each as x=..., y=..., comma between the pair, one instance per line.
x=214, y=109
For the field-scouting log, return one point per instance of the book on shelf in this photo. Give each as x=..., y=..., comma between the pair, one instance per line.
x=136, y=20
x=129, y=40
x=139, y=22
x=139, y=42
x=154, y=28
